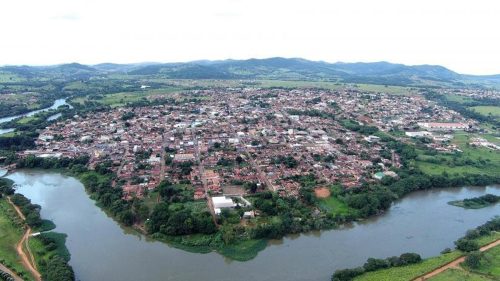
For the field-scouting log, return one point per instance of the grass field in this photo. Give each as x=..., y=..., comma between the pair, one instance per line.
x=459, y=275
x=490, y=264
x=458, y=98
x=40, y=251
x=488, y=239
x=488, y=110
x=405, y=273
x=11, y=232
x=77, y=85
x=9, y=134
x=333, y=86
x=488, y=270
x=334, y=206
x=491, y=158
x=10, y=78
x=121, y=99
x=26, y=120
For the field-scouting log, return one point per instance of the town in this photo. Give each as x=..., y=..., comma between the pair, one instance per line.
x=240, y=141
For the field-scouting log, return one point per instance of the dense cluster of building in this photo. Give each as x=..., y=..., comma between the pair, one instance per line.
x=235, y=141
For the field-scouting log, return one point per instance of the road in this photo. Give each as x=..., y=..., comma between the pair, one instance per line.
x=262, y=176
x=163, y=154
x=28, y=263
x=454, y=264
x=201, y=170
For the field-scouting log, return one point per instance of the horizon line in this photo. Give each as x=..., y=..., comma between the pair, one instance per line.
x=234, y=59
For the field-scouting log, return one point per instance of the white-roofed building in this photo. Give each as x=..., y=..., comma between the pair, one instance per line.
x=220, y=202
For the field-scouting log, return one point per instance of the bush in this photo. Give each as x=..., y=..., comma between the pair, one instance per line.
x=58, y=270
x=375, y=264
x=347, y=274
x=473, y=259
x=466, y=245
x=409, y=258
x=446, y=251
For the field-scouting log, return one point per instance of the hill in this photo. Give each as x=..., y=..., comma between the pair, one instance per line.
x=383, y=73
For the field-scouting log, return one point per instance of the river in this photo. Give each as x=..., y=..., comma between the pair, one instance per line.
x=100, y=249
x=57, y=103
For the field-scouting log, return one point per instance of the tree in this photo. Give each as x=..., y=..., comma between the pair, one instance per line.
x=375, y=264
x=473, y=259
x=466, y=245
x=252, y=186
x=127, y=218
x=227, y=233
x=159, y=217
x=347, y=274
x=409, y=258
x=58, y=270
x=33, y=219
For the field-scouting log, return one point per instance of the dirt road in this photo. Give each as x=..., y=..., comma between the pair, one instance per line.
x=27, y=263
x=454, y=264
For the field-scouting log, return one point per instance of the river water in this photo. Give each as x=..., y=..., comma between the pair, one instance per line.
x=100, y=249
x=56, y=104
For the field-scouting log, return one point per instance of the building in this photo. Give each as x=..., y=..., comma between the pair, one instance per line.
x=183, y=157
x=420, y=134
x=220, y=202
x=443, y=126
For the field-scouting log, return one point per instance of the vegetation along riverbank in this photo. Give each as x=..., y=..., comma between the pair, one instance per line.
x=39, y=253
x=170, y=214
x=476, y=202
x=411, y=267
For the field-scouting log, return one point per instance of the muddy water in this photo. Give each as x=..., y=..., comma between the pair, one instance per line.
x=422, y=222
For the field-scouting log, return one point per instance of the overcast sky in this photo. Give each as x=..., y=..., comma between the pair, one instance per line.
x=461, y=35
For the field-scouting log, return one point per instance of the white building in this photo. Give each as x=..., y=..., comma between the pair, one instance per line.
x=420, y=134
x=220, y=202
x=443, y=126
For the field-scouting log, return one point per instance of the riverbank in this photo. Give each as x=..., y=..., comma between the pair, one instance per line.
x=27, y=113
x=415, y=271
x=11, y=234
x=459, y=261
x=22, y=247
x=99, y=188
x=422, y=222
x=482, y=238
x=238, y=250
x=22, y=252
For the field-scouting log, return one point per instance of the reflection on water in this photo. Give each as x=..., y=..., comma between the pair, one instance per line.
x=100, y=249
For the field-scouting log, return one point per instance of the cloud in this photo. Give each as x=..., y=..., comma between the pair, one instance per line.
x=67, y=17
x=460, y=35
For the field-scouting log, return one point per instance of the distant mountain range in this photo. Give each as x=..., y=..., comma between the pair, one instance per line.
x=271, y=68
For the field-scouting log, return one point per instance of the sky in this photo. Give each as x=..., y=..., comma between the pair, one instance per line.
x=461, y=35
